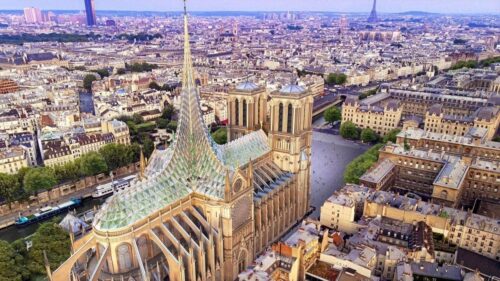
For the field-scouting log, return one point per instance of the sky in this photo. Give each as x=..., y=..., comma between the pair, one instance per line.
x=389, y=6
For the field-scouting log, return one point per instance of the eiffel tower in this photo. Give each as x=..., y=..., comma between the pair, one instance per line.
x=373, y=15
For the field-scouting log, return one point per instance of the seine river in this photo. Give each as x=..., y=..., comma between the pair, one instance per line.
x=13, y=233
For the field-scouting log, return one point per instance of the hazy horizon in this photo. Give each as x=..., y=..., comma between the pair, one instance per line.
x=356, y=6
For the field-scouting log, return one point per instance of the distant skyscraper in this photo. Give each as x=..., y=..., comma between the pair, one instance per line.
x=32, y=15
x=90, y=11
x=373, y=15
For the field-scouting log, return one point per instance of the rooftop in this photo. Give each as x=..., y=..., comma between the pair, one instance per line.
x=293, y=89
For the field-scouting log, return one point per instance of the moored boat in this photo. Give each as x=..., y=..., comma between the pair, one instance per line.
x=110, y=188
x=48, y=212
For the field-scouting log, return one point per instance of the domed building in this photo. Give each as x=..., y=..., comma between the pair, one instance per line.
x=203, y=211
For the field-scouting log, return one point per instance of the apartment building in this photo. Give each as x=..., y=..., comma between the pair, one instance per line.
x=381, y=119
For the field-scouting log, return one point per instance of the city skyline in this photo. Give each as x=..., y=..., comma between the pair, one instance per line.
x=358, y=6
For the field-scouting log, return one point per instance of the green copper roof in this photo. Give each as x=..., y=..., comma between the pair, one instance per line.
x=194, y=163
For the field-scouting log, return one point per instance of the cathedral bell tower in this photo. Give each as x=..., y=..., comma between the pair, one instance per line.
x=290, y=136
x=247, y=109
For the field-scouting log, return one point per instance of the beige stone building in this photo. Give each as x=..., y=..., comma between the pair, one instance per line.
x=119, y=130
x=12, y=160
x=485, y=117
x=449, y=170
x=470, y=231
x=65, y=150
x=202, y=211
x=56, y=153
x=440, y=111
x=465, y=229
x=380, y=119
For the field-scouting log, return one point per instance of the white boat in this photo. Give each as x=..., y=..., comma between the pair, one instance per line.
x=112, y=187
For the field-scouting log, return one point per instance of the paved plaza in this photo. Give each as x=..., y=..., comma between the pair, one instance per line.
x=330, y=156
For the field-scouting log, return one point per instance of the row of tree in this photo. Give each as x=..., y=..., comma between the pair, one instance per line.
x=31, y=180
x=362, y=163
x=349, y=130
x=336, y=79
x=140, y=67
x=366, y=94
x=475, y=64
x=17, y=263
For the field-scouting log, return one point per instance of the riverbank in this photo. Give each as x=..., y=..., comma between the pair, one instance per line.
x=12, y=233
x=7, y=219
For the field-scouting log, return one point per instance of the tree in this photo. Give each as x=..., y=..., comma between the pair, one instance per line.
x=37, y=179
x=67, y=172
x=220, y=136
x=87, y=81
x=349, y=131
x=368, y=93
x=153, y=85
x=336, y=79
x=332, y=114
x=12, y=267
x=121, y=71
x=137, y=118
x=21, y=173
x=168, y=112
x=391, y=136
x=80, y=68
x=52, y=239
x=115, y=155
x=103, y=72
x=133, y=153
x=141, y=67
x=172, y=126
x=162, y=123
x=361, y=164
x=406, y=145
x=92, y=164
x=368, y=135
x=9, y=187
x=147, y=146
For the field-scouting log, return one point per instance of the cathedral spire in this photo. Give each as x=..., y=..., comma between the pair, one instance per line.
x=194, y=152
x=188, y=75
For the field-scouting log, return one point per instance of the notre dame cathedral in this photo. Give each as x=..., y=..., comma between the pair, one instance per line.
x=203, y=211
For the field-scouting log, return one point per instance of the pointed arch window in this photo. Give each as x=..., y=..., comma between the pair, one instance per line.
x=244, y=113
x=280, y=118
x=237, y=112
x=289, y=123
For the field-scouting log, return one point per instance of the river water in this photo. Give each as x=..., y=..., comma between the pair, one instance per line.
x=13, y=233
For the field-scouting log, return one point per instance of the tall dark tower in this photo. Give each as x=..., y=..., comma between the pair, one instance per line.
x=373, y=15
x=90, y=11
